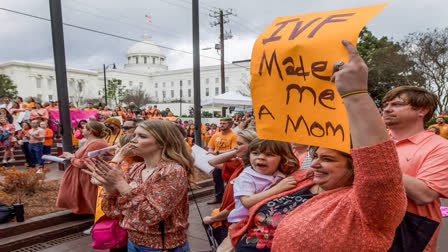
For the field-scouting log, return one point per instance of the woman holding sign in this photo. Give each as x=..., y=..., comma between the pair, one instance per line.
x=354, y=202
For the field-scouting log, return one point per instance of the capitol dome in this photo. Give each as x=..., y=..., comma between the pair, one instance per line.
x=146, y=56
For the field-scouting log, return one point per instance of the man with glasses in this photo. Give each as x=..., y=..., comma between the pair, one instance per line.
x=129, y=125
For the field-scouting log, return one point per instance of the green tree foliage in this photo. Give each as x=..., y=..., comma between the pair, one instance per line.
x=115, y=91
x=388, y=66
x=429, y=51
x=7, y=87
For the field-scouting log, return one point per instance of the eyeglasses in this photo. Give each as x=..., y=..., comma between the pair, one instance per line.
x=127, y=127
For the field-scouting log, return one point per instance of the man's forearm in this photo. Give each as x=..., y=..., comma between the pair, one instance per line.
x=418, y=191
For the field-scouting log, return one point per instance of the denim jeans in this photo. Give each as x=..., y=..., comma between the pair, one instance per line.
x=132, y=247
x=36, y=152
x=26, y=151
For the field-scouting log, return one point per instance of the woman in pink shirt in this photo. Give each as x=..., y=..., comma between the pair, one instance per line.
x=39, y=113
x=7, y=131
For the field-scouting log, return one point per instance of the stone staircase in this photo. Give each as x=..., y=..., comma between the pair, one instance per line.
x=20, y=157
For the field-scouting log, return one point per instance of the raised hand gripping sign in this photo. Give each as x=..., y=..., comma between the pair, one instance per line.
x=292, y=95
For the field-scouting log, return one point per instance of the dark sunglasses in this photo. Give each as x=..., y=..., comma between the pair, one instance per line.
x=127, y=127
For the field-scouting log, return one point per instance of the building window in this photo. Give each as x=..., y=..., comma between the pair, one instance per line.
x=227, y=79
x=207, y=92
x=129, y=59
x=172, y=84
x=227, y=89
x=189, y=82
x=157, y=94
x=50, y=83
x=157, y=85
x=162, y=60
x=39, y=96
x=164, y=84
x=180, y=93
x=217, y=91
x=172, y=93
x=153, y=60
x=80, y=87
x=50, y=97
x=38, y=83
x=180, y=83
x=216, y=80
x=70, y=98
x=130, y=83
x=163, y=94
x=189, y=92
x=145, y=60
x=71, y=83
x=140, y=84
x=207, y=81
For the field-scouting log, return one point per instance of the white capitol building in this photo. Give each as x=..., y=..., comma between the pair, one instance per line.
x=145, y=67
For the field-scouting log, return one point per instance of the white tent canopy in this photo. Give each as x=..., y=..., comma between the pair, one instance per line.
x=228, y=99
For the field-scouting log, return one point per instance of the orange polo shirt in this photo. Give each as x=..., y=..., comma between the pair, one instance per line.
x=425, y=156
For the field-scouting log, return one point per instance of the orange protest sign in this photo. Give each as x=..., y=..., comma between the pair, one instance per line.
x=292, y=95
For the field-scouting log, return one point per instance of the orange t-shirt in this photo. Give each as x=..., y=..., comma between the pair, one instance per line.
x=48, y=137
x=443, y=129
x=424, y=156
x=222, y=142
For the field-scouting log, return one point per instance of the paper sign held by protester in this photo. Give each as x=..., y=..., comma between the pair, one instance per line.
x=102, y=151
x=201, y=158
x=291, y=65
x=53, y=158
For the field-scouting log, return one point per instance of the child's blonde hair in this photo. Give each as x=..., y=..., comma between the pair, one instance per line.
x=288, y=161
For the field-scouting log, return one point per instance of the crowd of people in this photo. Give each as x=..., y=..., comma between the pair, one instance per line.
x=273, y=195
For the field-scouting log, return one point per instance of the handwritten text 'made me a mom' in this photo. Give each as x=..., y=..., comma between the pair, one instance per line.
x=295, y=66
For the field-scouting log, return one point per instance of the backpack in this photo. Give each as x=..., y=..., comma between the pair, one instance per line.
x=6, y=213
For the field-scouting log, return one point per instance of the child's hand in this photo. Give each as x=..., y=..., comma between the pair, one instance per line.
x=286, y=184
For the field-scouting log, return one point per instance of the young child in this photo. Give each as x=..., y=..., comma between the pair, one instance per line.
x=269, y=162
x=48, y=138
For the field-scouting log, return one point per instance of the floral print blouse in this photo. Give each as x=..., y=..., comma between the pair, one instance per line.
x=162, y=197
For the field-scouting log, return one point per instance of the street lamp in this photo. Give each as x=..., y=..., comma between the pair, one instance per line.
x=105, y=82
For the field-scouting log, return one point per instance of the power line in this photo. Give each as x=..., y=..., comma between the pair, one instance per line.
x=112, y=35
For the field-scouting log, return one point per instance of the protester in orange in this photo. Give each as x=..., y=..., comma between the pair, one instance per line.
x=30, y=103
x=104, y=113
x=423, y=155
x=72, y=107
x=115, y=127
x=221, y=142
x=156, y=115
x=129, y=114
x=170, y=117
x=90, y=107
x=349, y=202
x=22, y=104
x=442, y=126
x=48, y=141
x=53, y=106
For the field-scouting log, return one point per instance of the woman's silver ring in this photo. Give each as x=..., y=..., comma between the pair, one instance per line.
x=338, y=64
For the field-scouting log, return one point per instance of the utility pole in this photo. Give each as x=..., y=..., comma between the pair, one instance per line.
x=196, y=74
x=57, y=33
x=220, y=15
